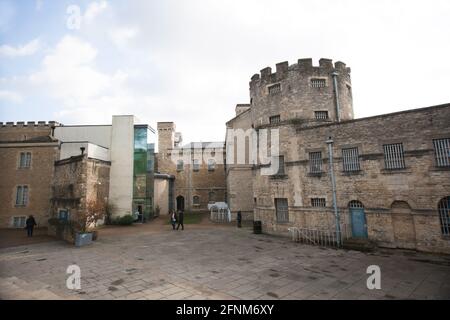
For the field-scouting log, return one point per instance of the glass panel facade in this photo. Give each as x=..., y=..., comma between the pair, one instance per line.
x=144, y=159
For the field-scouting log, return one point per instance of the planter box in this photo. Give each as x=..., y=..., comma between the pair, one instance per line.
x=83, y=239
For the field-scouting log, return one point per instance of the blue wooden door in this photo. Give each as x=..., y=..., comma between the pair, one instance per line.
x=359, y=227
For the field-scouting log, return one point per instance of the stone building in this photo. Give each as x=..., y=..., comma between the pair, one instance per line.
x=27, y=154
x=392, y=172
x=197, y=170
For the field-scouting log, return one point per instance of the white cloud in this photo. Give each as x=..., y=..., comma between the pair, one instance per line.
x=20, y=51
x=10, y=96
x=93, y=10
x=122, y=35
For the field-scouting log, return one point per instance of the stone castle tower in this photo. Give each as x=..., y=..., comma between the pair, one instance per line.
x=301, y=92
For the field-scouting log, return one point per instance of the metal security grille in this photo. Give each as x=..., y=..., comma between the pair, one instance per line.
x=274, y=119
x=282, y=211
x=315, y=162
x=350, y=159
x=180, y=165
x=196, y=165
x=276, y=88
x=442, y=152
x=444, y=214
x=318, y=202
x=318, y=83
x=355, y=204
x=19, y=222
x=321, y=115
x=394, y=157
x=25, y=160
x=22, y=196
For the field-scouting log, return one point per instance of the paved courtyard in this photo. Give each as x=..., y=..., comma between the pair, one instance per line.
x=214, y=262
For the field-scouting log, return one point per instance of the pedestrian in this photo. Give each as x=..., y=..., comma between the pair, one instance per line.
x=30, y=223
x=239, y=219
x=173, y=219
x=180, y=220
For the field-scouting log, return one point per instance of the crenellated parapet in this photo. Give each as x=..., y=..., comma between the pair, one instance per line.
x=22, y=124
x=302, y=91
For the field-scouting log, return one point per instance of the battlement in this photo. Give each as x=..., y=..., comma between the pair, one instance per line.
x=166, y=126
x=303, y=66
x=22, y=124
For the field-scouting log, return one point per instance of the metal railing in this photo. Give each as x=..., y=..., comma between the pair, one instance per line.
x=326, y=237
x=221, y=215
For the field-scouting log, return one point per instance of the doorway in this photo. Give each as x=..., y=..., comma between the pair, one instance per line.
x=358, y=220
x=403, y=225
x=180, y=203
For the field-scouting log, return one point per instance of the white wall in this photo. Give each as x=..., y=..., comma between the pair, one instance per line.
x=100, y=135
x=70, y=149
x=161, y=190
x=122, y=161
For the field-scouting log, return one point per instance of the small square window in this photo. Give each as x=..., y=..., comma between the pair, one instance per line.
x=394, y=157
x=275, y=89
x=275, y=119
x=318, y=202
x=321, y=115
x=318, y=83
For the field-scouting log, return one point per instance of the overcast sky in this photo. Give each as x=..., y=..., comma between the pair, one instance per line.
x=190, y=61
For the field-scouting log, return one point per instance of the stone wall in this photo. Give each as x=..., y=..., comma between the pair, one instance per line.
x=36, y=139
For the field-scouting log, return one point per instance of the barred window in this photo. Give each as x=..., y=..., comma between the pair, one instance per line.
x=315, y=162
x=276, y=88
x=282, y=210
x=350, y=159
x=22, y=196
x=212, y=196
x=394, y=157
x=25, y=160
x=442, y=152
x=280, y=166
x=211, y=165
x=196, y=200
x=318, y=202
x=275, y=119
x=180, y=165
x=19, y=222
x=444, y=214
x=318, y=83
x=196, y=165
x=321, y=115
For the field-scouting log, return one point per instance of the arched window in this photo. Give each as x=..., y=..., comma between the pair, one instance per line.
x=444, y=215
x=355, y=204
x=196, y=200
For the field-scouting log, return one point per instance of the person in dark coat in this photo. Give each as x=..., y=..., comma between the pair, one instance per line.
x=180, y=220
x=173, y=219
x=29, y=225
x=239, y=219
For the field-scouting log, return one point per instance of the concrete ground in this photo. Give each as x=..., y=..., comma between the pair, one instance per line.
x=207, y=261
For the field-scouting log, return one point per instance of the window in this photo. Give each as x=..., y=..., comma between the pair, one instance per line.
x=442, y=152
x=19, y=222
x=63, y=214
x=318, y=83
x=280, y=171
x=275, y=119
x=321, y=115
x=318, y=202
x=276, y=88
x=393, y=156
x=212, y=196
x=180, y=165
x=444, y=214
x=196, y=165
x=350, y=159
x=355, y=204
x=211, y=165
x=196, y=200
x=315, y=162
x=282, y=212
x=25, y=160
x=22, y=196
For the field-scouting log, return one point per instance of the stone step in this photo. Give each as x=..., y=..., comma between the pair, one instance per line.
x=364, y=245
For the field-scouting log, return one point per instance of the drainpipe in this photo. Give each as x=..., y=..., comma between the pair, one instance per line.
x=329, y=142
x=336, y=90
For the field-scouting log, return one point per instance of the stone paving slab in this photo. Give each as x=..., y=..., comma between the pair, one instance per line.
x=216, y=263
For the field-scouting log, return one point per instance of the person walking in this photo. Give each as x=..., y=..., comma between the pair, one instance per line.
x=180, y=220
x=173, y=219
x=239, y=219
x=30, y=223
